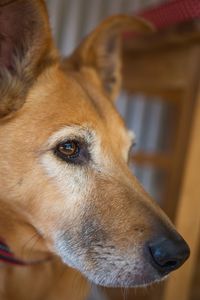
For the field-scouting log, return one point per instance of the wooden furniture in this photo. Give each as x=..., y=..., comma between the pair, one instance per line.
x=167, y=64
x=188, y=213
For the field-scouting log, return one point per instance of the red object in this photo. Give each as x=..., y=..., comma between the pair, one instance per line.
x=8, y=257
x=172, y=13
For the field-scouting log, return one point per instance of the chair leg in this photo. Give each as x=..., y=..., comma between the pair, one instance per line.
x=188, y=215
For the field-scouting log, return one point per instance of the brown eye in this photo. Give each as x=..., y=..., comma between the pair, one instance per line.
x=70, y=149
x=73, y=152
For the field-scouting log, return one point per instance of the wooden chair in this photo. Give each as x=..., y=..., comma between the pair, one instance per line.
x=167, y=64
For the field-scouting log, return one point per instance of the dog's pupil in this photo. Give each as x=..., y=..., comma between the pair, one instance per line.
x=69, y=148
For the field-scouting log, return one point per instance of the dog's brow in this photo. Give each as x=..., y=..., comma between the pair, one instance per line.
x=132, y=136
x=92, y=98
x=71, y=132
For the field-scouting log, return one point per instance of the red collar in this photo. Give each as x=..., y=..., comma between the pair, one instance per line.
x=7, y=256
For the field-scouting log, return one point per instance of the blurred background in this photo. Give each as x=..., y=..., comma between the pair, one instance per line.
x=159, y=101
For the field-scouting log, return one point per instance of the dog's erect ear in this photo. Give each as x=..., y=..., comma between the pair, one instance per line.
x=25, y=49
x=101, y=50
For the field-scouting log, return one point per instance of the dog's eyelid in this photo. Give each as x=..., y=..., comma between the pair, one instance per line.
x=81, y=155
x=130, y=151
x=132, y=137
x=77, y=138
x=131, y=133
x=133, y=144
x=72, y=132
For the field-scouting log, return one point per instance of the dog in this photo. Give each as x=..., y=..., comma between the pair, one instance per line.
x=71, y=212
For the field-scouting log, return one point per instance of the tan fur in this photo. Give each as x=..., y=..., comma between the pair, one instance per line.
x=94, y=218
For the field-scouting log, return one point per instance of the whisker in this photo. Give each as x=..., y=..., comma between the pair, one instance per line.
x=34, y=238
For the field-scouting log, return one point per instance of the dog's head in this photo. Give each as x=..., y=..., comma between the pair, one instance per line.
x=64, y=179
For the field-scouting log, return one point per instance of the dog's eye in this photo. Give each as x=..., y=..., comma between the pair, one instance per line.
x=72, y=151
x=131, y=151
x=69, y=149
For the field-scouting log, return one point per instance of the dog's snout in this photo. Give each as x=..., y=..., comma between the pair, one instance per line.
x=168, y=254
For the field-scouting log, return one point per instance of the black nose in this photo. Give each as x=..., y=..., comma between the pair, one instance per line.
x=168, y=254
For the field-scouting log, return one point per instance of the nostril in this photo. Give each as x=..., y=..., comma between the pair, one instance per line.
x=170, y=264
x=161, y=261
x=168, y=255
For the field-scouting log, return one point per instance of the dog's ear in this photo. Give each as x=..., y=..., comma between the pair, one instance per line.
x=25, y=49
x=101, y=50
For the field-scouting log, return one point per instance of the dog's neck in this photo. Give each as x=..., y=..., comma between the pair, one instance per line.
x=52, y=280
x=6, y=255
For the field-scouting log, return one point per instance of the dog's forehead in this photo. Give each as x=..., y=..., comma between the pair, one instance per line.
x=59, y=100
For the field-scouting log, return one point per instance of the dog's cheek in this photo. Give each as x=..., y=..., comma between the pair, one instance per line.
x=94, y=225
x=72, y=186
x=93, y=253
x=69, y=178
